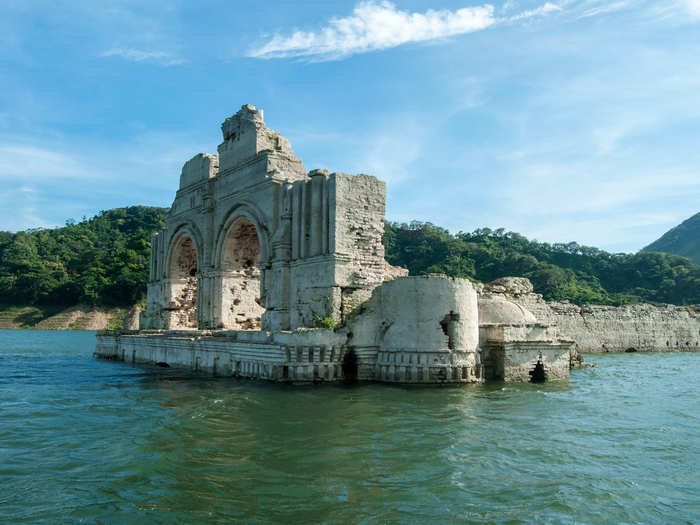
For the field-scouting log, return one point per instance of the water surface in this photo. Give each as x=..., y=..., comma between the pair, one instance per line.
x=90, y=441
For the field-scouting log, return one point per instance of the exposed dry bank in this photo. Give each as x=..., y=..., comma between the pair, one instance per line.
x=78, y=317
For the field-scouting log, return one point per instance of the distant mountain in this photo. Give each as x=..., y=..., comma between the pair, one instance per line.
x=683, y=240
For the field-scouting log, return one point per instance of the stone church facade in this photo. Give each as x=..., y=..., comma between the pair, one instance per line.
x=255, y=242
x=257, y=255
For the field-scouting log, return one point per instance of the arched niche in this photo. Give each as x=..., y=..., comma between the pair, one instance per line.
x=182, y=284
x=240, y=255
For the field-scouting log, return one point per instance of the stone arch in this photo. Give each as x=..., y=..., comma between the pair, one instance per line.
x=182, y=279
x=255, y=217
x=241, y=258
x=184, y=230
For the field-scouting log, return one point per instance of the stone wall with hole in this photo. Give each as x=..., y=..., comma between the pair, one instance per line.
x=182, y=286
x=240, y=282
x=421, y=329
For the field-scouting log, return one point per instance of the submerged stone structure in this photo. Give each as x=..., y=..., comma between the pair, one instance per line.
x=599, y=328
x=257, y=255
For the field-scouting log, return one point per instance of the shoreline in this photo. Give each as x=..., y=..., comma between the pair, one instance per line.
x=76, y=317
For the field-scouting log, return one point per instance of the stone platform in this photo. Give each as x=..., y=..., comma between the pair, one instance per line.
x=256, y=250
x=323, y=356
x=303, y=356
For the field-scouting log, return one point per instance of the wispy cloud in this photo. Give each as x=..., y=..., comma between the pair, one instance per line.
x=374, y=26
x=390, y=152
x=21, y=162
x=141, y=55
x=607, y=8
x=539, y=11
x=44, y=181
x=380, y=25
x=692, y=7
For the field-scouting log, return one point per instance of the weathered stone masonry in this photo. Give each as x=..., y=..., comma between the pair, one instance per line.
x=598, y=328
x=256, y=252
x=274, y=247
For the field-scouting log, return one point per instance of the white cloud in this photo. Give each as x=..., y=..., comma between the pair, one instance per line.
x=140, y=55
x=693, y=7
x=380, y=25
x=539, y=11
x=615, y=6
x=509, y=5
x=374, y=26
x=608, y=136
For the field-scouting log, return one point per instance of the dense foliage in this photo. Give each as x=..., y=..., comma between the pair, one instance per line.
x=100, y=261
x=683, y=240
x=105, y=260
x=558, y=271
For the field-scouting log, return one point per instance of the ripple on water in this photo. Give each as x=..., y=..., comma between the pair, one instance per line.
x=88, y=440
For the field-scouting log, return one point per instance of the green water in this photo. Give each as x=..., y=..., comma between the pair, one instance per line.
x=90, y=441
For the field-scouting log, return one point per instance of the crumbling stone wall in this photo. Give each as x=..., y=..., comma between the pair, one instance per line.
x=185, y=311
x=319, y=250
x=183, y=286
x=254, y=247
x=241, y=278
x=337, y=256
x=597, y=328
x=360, y=211
x=421, y=329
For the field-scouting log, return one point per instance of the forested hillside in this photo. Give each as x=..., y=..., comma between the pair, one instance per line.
x=683, y=240
x=104, y=261
x=99, y=261
x=558, y=271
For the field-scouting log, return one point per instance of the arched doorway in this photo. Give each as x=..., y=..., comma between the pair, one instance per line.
x=182, y=282
x=241, y=303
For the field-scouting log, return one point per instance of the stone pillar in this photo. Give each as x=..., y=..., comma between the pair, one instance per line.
x=208, y=299
x=217, y=299
x=303, y=244
x=296, y=221
x=277, y=276
x=315, y=189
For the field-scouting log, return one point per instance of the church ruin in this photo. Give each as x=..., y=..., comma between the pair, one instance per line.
x=257, y=255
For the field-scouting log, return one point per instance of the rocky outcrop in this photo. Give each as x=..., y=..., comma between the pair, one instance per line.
x=596, y=328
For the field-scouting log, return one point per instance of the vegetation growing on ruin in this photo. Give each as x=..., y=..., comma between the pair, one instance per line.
x=581, y=274
x=99, y=261
x=104, y=261
x=325, y=322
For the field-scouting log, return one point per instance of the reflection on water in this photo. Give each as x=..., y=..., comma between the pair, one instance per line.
x=96, y=441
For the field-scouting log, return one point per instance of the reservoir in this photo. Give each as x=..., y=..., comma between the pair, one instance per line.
x=84, y=440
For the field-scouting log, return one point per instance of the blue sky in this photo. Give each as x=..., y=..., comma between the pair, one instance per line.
x=562, y=120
